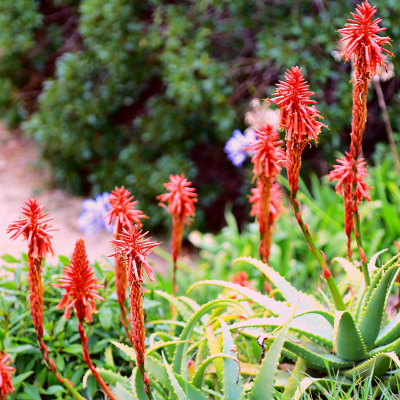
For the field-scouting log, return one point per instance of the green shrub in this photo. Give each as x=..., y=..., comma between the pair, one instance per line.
x=145, y=89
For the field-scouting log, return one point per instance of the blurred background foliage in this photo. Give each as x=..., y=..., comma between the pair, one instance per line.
x=125, y=92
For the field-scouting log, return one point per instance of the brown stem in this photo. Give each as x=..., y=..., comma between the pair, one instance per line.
x=386, y=120
x=88, y=361
x=264, y=223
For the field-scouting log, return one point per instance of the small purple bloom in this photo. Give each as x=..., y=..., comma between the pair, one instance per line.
x=235, y=145
x=90, y=222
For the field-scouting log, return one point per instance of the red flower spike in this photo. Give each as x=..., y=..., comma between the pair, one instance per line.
x=362, y=39
x=6, y=386
x=34, y=228
x=123, y=211
x=134, y=247
x=181, y=197
x=342, y=172
x=81, y=287
x=276, y=207
x=344, y=175
x=267, y=152
x=297, y=115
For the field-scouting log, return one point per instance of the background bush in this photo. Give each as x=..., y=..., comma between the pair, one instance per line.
x=126, y=92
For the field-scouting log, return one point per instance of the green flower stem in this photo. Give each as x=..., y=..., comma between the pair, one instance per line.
x=360, y=248
x=145, y=381
x=358, y=230
x=331, y=283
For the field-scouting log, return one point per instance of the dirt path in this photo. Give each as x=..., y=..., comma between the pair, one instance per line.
x=22, y=177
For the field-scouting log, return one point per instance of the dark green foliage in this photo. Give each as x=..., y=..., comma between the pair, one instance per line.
x=144, y=89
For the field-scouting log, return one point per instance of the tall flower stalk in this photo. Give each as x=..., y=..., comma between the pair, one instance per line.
x=123, y=214
x=299, y=117
x=81, y=291
x=180, y=199
x=365, y=46
x=131, y=248
x=6, y=386
x=35, y=229
x=267, y=155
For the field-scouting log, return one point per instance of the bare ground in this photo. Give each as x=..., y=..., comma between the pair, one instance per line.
x=22, y=176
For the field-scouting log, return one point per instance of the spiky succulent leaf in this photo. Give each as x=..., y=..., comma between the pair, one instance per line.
x=137, y=386
x=180, y=360
x=158, y=372
x=305, y=384
x=313, y=332
x=296, y=377
x=199, y=374
x=348, y=341
x=353, y=273
x=181, y=307
x=316, y=357
x=276, y=307
x=376, y=366
x=371, y=317
x=372, y=262
x=233, y=388
x=178, y=391
x=290, y=293
x=263, y=386
x=214, y=348
x=390, y=332
x=121, y=393
x=390, y=347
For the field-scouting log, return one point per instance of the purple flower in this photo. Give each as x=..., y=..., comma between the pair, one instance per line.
x=235, y=145
x=90, y=222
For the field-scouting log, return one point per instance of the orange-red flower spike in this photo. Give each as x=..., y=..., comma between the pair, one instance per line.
x=123, y=211
x=181, y=196
x=297, y=114
x=134, y=247
x=362, y=39
x=268, y=154
x=6, y=386
x=81, y=287
x=34, y=228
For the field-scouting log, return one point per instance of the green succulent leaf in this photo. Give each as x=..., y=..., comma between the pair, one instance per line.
x=314, y=332
x=353, y=273
x=372, y=262
x=233, y=387
x=371, y=317
x=181, y=307
x=376, y=366
x=306, y=383
x=263, y=386
x=121, y=393
x=199, y=375
x=290, y=293
x=348, y=341
x=390, y=347
x=109, y=377
x=138, y=385
x=390, y=332
x=177, y=388
x=315, y=356
x=179, y=359
x=276, y=307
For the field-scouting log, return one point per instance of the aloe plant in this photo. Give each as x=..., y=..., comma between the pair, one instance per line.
x=204, y=360
x=355, y=342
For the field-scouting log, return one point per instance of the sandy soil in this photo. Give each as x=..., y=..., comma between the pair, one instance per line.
x=21, y=176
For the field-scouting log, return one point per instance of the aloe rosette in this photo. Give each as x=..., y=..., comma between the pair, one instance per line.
x=355, y=342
